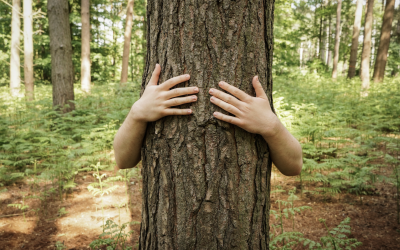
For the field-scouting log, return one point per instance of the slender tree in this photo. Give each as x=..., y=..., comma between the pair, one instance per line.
x=384, y=42
x=337, y=39
x=28, y=50
x=15, y=72
x=365, y=57
x=85, y=56
x=62, y=77
x=127, y=40
x=354, y=42
x=206, y=183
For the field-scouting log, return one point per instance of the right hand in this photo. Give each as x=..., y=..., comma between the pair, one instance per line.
x=157, y=100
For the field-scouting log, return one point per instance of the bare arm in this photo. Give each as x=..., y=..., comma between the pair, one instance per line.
x=254, y=115
x=155, y=103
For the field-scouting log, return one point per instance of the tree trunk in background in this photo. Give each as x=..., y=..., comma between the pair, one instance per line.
x=320, y=37
x=28, y=51
x=127, y=41
x=85, y=60
x=62, y=77
x=354, y=43
x=337, y=39
x=365, y=57
x=15, y=72
x=384, y=42
x=329, y=56
x=206, y=183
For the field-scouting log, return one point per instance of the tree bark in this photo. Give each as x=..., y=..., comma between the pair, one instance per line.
x=15, y=72
x=62, y=76
x=365, y=57
x=206, y=183
x=337, y=39
x=354, y=43
x=85, y=43
x=384, y=42
x=28, y=51
x=127, y=41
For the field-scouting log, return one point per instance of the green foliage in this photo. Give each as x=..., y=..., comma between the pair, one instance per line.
x=113, y=237
x=335, y=239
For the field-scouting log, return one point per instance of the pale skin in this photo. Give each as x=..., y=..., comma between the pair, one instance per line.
x=252, y=114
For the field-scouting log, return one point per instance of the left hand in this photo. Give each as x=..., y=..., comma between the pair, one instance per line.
x=252, y=114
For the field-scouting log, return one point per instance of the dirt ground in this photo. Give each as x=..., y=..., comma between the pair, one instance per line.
x=374, y=222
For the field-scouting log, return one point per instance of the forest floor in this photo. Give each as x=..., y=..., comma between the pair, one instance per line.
x=373, y=222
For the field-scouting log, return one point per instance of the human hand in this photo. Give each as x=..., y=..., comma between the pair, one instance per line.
x=252, y=114
x=157, y=100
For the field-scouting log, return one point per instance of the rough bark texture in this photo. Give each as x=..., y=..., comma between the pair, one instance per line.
x=384, y=42
x=15, y=72
x=206, y=183
x=354, y=42
x=85, y=53
x=28, y=51
x=127, y=41
x=365, y=57
x=337, y=39
x=61, y=55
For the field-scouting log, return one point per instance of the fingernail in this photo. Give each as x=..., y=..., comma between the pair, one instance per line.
x=189, y=111
x=221, y=83
x=215, y=113
x=211, y=91
x=194, y=98
x=212, y=98
x=196, y=89
x=256, y=78
x=187, y=76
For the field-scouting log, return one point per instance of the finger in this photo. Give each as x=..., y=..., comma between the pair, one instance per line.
x=227, y=118
x=177, y=112
x=174, y=81
x=181, y=91
x=155, y=75
x=234, y=91
x=225, y=97
x=258, y=88
x=180, y=101
x=225, y=106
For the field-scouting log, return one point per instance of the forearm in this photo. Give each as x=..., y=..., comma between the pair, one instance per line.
x=128, y=142
x=285, y=151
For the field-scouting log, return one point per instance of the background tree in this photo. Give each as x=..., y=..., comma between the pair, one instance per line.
x=380, y=64
x=354, y=42
x=85, y=66
x=365, y=57
x=127, y=40
x=337, y=39
x=15, y=71
x=61, y=55
x=28, y=50
x=205, y=182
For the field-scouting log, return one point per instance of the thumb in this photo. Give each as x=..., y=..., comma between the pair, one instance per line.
x=155, y=75
x=258, y=87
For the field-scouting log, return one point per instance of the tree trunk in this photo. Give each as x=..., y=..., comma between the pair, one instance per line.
x=206, y=183
x=354, y=43
x=85, y=60
x=320, y=36
x=337, y=39
x=62, y=76
x=28, y=50
x=329, y=52
x=15, y=72
x=365, y=57
x=380, y=63
x=127, y=41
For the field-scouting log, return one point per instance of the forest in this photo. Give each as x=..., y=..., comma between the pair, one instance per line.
x=71, y=70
